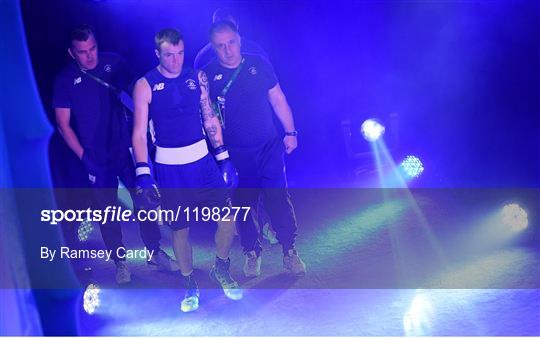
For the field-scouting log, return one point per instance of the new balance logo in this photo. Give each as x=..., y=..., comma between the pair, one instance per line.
x=191, y=84
x=218, y=77
x=158, y=86
x=77, y=80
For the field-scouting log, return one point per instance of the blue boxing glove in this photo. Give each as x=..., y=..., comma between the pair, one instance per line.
x=147, y=194
x=230, y=175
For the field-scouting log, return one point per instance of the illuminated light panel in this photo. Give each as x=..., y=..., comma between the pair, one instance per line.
x=412, y=166
x=91, y=299
x=84, y=230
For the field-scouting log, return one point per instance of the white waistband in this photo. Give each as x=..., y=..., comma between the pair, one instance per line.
x=182, y=155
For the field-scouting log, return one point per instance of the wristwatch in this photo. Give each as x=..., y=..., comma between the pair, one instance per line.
x=291, y=133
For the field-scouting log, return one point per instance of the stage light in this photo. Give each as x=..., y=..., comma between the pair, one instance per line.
x=412, y=166
x=417, y=319
x=372, y=130
x=515, y=217
x=91, y=299
x=85, y=229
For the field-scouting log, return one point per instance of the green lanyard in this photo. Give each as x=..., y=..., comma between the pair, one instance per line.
x=219, y=107
x=233, y=77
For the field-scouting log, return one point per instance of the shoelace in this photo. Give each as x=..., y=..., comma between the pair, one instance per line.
x=192, y=292
x=225, y=279
x=252, y=261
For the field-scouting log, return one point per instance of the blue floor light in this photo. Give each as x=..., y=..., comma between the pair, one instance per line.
x=91, y=299
x=515, y=217
x=412, y=166
x=85, y=229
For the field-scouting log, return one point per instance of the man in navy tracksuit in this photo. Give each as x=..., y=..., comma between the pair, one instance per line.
x=92, y=122
x=204, y=57
x=172, y=99
x=249, y=95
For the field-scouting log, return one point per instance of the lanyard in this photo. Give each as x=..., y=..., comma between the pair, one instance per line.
x=124, y=98
x=219, y=107
x=233, y=77
x=100, y=81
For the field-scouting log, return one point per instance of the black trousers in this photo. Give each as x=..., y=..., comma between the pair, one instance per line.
x=262, y=171
x=68, y=173
x=71, y=191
